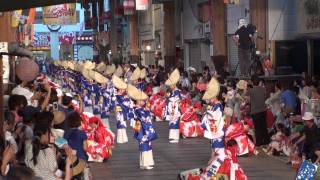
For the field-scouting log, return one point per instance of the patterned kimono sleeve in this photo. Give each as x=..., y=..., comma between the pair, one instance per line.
x=204, y=122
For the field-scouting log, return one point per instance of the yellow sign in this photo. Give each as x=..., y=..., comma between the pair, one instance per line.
x=63, y=14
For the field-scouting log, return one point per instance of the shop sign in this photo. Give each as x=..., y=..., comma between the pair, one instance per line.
x=43, y=39
x=142, y=5
x=128, y=7
x=63, y=14
x=308, y=16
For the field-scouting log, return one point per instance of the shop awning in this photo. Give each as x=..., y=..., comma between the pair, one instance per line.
x=26, y=4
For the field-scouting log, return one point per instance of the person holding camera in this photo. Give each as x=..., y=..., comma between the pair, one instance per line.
x=244, y=40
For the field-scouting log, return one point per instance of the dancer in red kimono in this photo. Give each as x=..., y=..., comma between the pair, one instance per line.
x=100, y=138
x=190, y=125
x=157, y=104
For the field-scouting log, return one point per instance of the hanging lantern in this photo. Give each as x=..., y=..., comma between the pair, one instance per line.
x=128, y=7
x=142, y=5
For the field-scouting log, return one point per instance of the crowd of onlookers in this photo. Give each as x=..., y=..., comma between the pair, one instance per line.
x=32, y=144
x=285, y=121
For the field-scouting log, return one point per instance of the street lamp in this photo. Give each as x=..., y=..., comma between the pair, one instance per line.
x=148, y=47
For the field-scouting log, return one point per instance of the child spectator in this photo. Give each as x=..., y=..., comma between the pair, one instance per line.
x=77, y=139
x=277, y=140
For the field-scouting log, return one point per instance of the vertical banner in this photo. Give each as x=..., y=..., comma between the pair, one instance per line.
x=142, y=5
x=63, y=14
x=5, y=62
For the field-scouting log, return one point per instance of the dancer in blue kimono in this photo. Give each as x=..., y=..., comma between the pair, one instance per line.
x=121, y=109
x=144, y=129
x=172, y=111
x=213, y=125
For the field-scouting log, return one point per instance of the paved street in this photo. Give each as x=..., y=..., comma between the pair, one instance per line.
x=170, y=159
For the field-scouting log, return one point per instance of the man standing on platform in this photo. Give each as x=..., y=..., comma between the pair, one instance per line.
x=244, y=39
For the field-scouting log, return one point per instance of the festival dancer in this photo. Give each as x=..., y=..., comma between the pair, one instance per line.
x=213, y=125
x=144, y=130
x=110, y=91
x=121, y=109
x=190, y=125
x=137, y=78
x=172, y=112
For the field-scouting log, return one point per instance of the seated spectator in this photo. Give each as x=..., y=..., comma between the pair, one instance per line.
x=28, y=115
x=41, y=157
x=8, y=126
x=15, y=104
x=26, y=89
x=77, y=139
x=277, y=140
x=67, y=108
x=310, y=137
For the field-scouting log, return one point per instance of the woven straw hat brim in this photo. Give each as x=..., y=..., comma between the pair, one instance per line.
x=173, y=78
x=135, y=93
x=100, y=78
x=101, y=67
x=119, y=71
x=136, y=74
x=213, y=89
x=118, y=82
x=110, y=70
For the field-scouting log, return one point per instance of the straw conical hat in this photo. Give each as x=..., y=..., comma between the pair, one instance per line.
x=212, y=90
x=143, y=73
x=89, y=65
x=71, y=65
x=101, y=67
x=119, y=71
x=77, y=67
x=118, y=82
x=110, y=70
x=99, y=78
x=56, y=63
x=136, y=74
x=65, y=64
x=135, y=93
x=91, y=74
x=173, y=78
x=86, y=73
x=78, y=165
